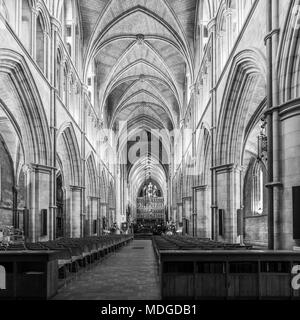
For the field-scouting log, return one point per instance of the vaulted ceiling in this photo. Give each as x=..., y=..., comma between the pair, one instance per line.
x=145, y=170
x=142, y=52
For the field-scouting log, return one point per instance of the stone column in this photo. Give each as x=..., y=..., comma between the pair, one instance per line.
x=228, y=15
x=75, y=215
x=33, y=33
x=83, y=126
x=214, y=198
x=169, y=199
x=15, y=191
x=182, y=129
x=222, y=51
x=67, y=212
x=73, y=53
x=99, y=218
x=55, y=25
x=277, y=182
x=125, y=195
x=289, y=115
x=38, y=198
x=228, y=188
x=30, y=202
x=203, y=218
x=274, y=184
x=119, y=195
x=240, y=17
x=46, y=54
x=18, y=17
x=88, y=217
x=95, y=213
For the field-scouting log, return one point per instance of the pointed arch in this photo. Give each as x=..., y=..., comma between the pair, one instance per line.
x=42, y=10
x=245, y=90
x=92, y=175
x=69, y=153
x=288, y=57
x=203, y=156
x=22, y=103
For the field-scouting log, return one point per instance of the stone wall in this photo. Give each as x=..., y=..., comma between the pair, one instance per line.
x=6, y=188
x=256, y=230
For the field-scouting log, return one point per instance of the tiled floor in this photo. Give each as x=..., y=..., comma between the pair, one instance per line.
x=130, y=274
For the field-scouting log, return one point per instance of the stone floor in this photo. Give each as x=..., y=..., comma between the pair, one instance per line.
x=130, y=274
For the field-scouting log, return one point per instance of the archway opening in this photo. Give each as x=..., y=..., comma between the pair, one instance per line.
x=255, y=222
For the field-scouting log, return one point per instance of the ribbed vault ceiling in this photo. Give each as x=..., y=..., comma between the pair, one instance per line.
x=143, y=170
x=142, y=53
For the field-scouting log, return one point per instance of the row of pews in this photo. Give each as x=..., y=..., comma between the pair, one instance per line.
x=77, y=254
x=191, y=243
x=37, y=270
x=201, y=269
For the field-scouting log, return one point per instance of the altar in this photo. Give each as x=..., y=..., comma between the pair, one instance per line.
x=150, y=206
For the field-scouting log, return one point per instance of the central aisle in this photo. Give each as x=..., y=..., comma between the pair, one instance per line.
x=130, y=274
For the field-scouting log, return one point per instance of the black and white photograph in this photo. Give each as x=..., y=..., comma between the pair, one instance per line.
x=149, y=153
